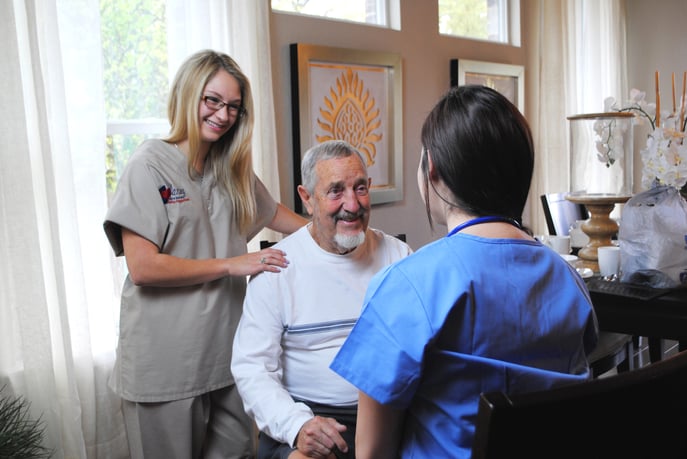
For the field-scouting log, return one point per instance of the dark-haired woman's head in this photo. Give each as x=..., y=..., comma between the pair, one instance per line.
x=481, y=149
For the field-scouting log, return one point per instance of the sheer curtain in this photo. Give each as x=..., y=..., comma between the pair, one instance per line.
x=240, y=29
x=576, y=50
x=58, y=300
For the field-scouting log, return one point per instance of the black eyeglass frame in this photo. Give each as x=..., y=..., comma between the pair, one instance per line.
x=215, y=103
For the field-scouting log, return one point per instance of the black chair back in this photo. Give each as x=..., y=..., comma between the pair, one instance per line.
x=636, y=414
x=265, y=243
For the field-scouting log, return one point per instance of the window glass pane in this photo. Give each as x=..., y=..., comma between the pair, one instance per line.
x=478, y=19
x=364, y=11
x=119, y=148
x=135, y=80
x=134, y=35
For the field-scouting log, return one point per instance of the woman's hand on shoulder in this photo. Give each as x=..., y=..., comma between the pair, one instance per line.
x=269, y=259
x=148, y=267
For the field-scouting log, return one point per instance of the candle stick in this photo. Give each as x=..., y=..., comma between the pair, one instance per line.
x=658, y=103
x=672, y=78
x=682, y=101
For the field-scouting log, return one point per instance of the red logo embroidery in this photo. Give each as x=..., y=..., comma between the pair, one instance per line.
x=172, y=195
x=165, y=193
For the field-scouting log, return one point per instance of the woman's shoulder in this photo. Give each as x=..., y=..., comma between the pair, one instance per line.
x=415, y=264
x=153, y=150
x=156, y=154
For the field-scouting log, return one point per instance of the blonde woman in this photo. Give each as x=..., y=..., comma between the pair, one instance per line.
x=182, y=215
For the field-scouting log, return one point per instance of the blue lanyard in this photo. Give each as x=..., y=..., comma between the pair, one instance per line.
x=478, y=220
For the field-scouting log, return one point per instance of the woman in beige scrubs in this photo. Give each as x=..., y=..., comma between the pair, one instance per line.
x=182, y=215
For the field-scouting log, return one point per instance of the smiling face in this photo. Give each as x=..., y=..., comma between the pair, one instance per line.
x=339, y=204
x=215, y=123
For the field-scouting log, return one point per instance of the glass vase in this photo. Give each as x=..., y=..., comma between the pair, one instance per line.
x=601, y=153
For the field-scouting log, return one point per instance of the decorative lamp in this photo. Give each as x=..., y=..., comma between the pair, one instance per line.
x=601, y=163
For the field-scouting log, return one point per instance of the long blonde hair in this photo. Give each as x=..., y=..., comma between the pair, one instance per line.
x=231, y=156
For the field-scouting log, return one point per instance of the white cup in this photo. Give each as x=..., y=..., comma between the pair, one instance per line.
x=560, y=244
x=609, y=260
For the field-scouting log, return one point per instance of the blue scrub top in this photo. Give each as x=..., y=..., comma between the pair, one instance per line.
x=461, y=316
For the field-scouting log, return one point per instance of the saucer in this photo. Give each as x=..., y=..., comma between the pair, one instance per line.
x=569, y=258
x=585, y=273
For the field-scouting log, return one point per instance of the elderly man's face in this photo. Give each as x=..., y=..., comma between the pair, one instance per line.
x=340, y=204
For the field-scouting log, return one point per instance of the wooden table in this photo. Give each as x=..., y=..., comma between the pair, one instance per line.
x=660, y=317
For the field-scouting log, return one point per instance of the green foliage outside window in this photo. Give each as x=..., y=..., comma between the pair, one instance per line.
x=134, y=43
x=465, y=18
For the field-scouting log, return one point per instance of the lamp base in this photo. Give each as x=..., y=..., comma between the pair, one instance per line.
x=600, y=227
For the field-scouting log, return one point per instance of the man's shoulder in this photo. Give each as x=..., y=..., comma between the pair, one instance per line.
x=395, y=238
x=294, y=239
x=389, y=242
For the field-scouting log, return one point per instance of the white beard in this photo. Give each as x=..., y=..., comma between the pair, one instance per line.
x=349, y=242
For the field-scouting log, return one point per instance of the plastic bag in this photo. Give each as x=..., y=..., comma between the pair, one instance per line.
x=653, y=239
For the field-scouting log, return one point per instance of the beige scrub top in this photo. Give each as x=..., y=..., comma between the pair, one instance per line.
x=175, y=342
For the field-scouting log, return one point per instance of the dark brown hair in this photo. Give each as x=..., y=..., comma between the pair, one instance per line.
x=482, y=149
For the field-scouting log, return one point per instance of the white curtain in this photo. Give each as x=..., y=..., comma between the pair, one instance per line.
x=240, y=29
x=577, y=58
x=58, y=299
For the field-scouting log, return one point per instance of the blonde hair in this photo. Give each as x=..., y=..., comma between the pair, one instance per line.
x=231, y=156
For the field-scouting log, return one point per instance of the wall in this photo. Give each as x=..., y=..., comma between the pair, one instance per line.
x=655, y=34
x=426, y=56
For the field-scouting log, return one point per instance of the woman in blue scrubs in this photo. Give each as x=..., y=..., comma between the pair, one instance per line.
x=485, y=308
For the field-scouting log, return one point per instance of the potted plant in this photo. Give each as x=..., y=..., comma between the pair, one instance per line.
x=20, y=436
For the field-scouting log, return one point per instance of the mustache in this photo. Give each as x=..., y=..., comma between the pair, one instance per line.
x=350, y=216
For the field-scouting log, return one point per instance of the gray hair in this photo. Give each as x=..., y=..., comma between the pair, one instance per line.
x=321, y=152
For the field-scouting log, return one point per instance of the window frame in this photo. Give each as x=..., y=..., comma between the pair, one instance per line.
x=388, y=10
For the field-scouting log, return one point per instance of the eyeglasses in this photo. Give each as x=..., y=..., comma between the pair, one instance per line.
x=215, y=103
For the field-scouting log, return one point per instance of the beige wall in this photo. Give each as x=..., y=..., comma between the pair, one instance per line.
x=656, y=40
x=656, y=36
x=426, y=56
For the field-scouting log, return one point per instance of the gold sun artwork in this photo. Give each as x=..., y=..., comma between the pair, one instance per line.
x=350, y=114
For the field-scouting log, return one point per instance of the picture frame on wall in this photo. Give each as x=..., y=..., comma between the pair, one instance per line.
x=352, y=95
x=507, y=79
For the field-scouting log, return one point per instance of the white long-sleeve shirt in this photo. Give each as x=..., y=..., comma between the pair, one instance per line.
x=294, y=323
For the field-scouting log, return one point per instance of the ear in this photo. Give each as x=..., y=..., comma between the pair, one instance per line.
x=433, y=176
x=305, y=197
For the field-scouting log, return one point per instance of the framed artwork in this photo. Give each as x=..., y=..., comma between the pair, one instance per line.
x=507, y=79
x=351, y=95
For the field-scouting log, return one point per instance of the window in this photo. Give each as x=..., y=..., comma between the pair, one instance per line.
x=375, y=12
x=135, y=87
x=491, y=20
x=136, y=83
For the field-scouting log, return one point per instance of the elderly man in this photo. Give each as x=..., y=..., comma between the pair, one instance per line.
x=294, y=321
